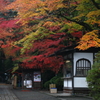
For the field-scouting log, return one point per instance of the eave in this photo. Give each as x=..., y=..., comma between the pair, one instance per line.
x=72, y=49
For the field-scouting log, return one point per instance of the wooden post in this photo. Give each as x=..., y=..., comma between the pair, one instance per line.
x=22, y=80
x=15, y=81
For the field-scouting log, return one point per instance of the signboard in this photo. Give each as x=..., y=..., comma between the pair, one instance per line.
x=37, y=77
x=28, y=83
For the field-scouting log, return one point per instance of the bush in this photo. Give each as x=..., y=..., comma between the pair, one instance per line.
x=52, y=80
x=93, y=79
x=46, y=85
x=55, y=80
x=59, y=83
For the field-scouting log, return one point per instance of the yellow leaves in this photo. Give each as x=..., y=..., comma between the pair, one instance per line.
x=41, y=11
x=48, y=23
x=30, y=14
x=25, y=7
x=94, y=14
x=79, y=16
x=22, y=40
x=90, y=39
x=93, y=17
x=54, y=4
x=27, y=41
x=15, y=68
x=93, y=21
x=61, y=5
x=87, y=10
x=73, y=27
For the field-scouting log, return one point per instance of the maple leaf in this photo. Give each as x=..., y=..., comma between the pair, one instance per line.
x=77, y=34
x=3, y=3
x=8, y=24
x=89, y=40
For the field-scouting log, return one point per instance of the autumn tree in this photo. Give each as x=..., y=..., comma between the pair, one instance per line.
x=38, y=55
x=7, y=34
x=76, y=15
x=40, y=18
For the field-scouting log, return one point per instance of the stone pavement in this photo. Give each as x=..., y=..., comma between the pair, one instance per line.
x=8, y=93
x=45, y=95
x=68, y=96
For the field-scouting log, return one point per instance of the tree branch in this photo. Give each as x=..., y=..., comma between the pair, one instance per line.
x=96, y=4
x=87, y=27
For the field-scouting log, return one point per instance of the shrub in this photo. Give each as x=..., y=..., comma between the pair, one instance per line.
x=55, y=80
x=59, y=83
x=46, y=85
x=93, y=78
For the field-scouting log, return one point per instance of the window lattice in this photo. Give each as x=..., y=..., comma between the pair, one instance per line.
x=82, y=67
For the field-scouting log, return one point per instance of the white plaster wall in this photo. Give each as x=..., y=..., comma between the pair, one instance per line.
x=80, y=82
x=65, y=83
x=68, y=83
x=77, y=56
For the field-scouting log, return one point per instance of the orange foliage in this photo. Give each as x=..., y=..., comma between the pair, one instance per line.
x=89, y=40
x=3, y=3
x=4, y=33
x=8, y=53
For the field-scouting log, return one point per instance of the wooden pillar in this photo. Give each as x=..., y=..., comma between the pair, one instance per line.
x=15, y=81
x=22, y=80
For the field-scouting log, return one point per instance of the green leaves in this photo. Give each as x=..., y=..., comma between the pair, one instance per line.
x=93, y=79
